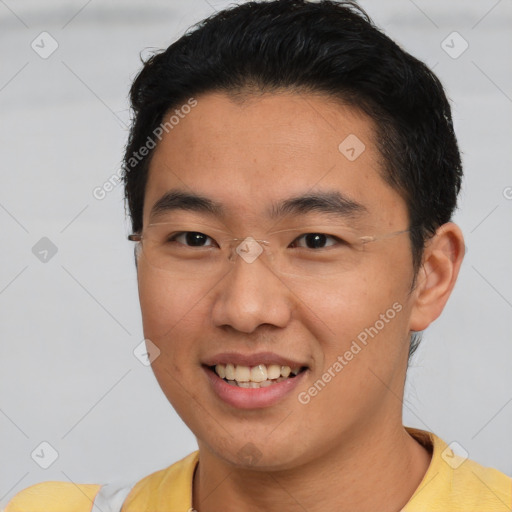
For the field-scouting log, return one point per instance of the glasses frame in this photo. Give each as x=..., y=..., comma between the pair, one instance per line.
x=139, y=237
x=363, y=240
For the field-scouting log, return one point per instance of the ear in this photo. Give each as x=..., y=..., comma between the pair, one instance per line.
x=436, y=278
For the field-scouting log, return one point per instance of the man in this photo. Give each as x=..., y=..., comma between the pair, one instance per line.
x=291, y=175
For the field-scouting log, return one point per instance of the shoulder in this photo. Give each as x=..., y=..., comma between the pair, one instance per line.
x=454, y=483
x=171, y=486
x=489, y=488
x=54, y=497
x=470, y=482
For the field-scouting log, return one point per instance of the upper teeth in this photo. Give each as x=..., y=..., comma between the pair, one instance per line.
x=258, y=373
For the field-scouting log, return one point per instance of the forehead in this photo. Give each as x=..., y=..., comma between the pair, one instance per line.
x=251, y=153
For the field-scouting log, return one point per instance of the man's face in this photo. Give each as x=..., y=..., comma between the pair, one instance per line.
x=249, y=158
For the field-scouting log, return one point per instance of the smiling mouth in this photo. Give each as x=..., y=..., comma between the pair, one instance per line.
x=258, y=376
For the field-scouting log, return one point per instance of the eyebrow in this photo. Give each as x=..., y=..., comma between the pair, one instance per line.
x=327, y=202
x=179, y=200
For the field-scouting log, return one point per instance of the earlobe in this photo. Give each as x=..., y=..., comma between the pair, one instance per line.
x=442, y=259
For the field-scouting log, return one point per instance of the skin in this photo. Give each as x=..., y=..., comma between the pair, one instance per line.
x=347, y=449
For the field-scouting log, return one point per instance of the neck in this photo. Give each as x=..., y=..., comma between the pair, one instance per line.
x=378, y=470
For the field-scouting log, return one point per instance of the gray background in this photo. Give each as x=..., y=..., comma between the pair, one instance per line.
x=69, y=324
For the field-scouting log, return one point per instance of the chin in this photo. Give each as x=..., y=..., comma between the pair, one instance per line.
x=257, y=451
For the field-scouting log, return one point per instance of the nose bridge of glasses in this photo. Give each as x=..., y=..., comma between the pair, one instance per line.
x=248, y=249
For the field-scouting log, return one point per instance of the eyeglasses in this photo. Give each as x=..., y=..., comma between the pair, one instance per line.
x=190, y=250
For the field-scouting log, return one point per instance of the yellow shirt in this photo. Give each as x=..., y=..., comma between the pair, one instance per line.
x=451, y=484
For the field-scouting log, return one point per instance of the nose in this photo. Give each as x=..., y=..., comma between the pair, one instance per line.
x=250, y=295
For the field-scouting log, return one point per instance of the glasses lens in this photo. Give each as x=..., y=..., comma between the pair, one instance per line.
x=315, y=251
x=186, y=250
x=194, y=250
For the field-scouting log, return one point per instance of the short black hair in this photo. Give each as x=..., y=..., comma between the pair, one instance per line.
x=325, y=47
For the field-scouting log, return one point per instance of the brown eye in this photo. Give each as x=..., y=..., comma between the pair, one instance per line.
x=191, y=238
x=315, y=240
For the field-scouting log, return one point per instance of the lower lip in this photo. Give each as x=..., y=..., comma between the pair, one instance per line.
x=252, y=398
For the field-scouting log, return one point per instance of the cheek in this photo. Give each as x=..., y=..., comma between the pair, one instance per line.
x=344, y=307
x=361, y=343
x=173, y=316
x=365, y=315
x=168, y=305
